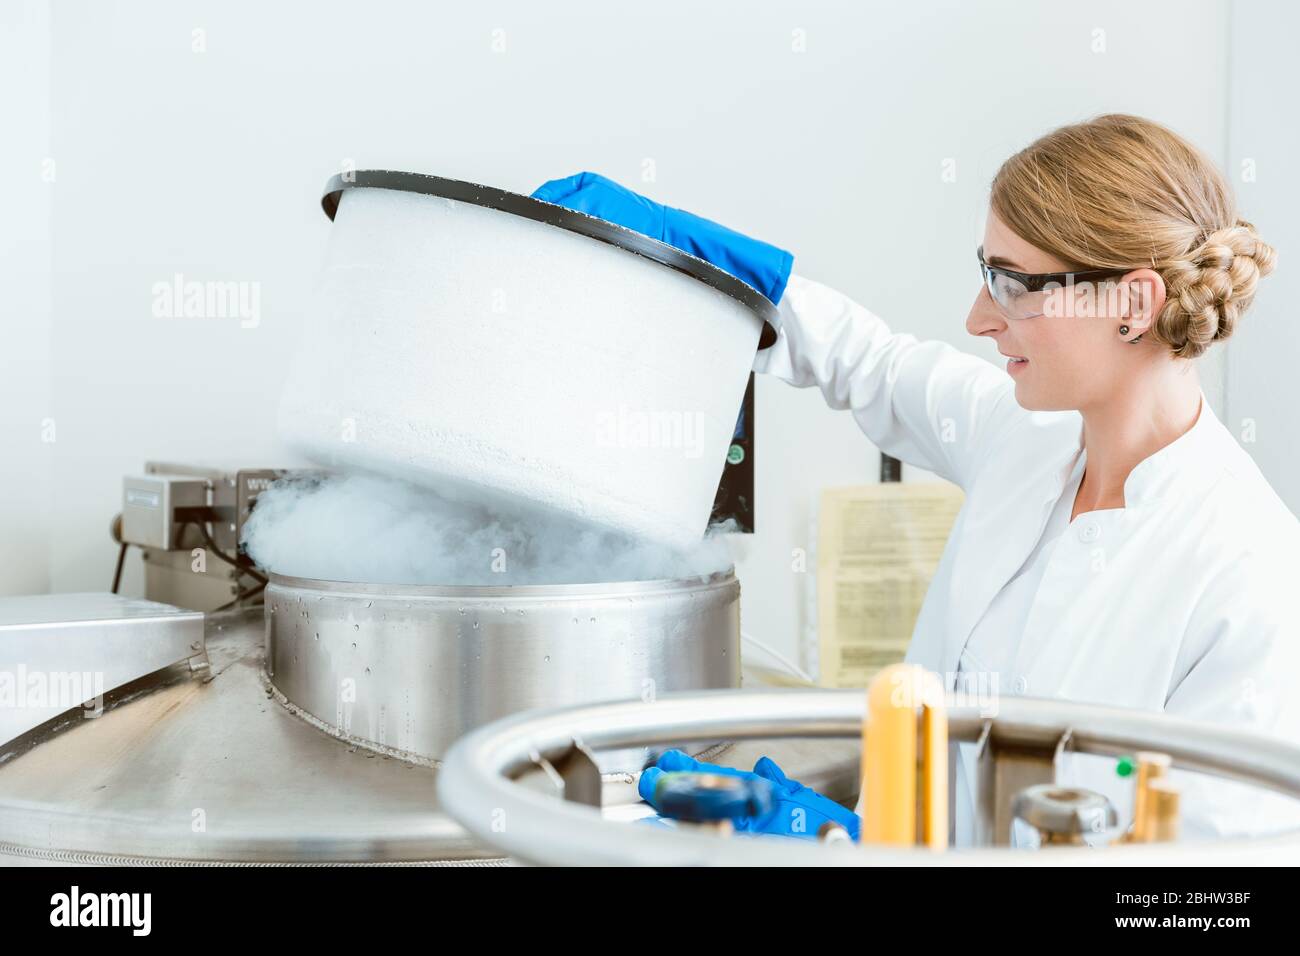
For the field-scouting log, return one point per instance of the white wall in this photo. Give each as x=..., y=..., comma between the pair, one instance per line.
x=210, y=164
x=26, y=455
x=1263, y=143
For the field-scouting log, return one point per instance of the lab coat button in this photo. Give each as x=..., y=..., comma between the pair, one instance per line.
x=1021, y=684
x=1089, y=531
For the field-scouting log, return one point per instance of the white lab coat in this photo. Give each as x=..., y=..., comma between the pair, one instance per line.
x=1190, y=606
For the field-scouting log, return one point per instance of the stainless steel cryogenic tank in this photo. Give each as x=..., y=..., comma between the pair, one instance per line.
x=315, y=734
x=407, y=670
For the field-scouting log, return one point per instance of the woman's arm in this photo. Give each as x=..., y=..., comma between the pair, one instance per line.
x=923, y=402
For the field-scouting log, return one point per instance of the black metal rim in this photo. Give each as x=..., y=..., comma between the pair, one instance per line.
x=565, y=218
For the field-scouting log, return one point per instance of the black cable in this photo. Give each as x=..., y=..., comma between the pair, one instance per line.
x=212, y=547
x=261, y=580
x=121, y=559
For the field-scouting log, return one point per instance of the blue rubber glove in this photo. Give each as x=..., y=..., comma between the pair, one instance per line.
x=762, y=266
x=799, y=810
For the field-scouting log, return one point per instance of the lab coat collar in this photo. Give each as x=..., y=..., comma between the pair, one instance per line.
x=1187, y=464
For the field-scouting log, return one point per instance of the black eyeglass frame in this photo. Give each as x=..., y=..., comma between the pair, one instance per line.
x=1037, y=282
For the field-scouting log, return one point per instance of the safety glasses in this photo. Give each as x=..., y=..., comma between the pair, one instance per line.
x=1021, y=295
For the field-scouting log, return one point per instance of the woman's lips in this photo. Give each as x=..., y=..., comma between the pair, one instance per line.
x=1016, y=364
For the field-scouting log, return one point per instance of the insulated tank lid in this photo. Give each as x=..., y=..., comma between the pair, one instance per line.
x=555, y=215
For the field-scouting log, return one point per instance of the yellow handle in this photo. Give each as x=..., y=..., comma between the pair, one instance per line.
x=934, y=767
x=890, y=751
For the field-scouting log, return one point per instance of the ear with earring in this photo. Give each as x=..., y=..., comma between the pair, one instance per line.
x=1143, y=294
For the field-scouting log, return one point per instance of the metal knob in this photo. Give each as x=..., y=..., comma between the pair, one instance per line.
x=1064, y=814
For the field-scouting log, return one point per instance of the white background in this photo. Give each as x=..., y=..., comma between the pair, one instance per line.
x=210, y=164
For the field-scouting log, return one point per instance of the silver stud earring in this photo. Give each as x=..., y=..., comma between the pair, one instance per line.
x=1123, y=330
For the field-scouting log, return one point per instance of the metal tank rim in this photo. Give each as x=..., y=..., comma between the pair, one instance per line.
x=477, y=771
x=598, y=590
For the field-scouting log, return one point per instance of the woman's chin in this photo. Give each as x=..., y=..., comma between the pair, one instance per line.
x=1033, y=399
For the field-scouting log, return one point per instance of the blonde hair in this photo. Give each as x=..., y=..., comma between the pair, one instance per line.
x=1126, y=193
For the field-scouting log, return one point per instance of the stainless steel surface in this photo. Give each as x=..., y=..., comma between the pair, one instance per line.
x=148, y=505
x=190, y=771
x=180, y=770
x=60, y=651
x=477, y=786
x=175, y=577
x=408, y=670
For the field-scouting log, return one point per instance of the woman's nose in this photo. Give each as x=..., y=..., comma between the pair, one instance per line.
x=985, y=317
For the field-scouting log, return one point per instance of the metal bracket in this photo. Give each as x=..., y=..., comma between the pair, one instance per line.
x=579, y=774
x=553, y=776
x=200, y=662
x=573, y=773
x=1063, y=744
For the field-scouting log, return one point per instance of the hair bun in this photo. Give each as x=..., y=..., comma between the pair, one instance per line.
x=1209, y=288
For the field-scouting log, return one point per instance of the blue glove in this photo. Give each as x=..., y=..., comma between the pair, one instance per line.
x=764, y=267
x=798, y=810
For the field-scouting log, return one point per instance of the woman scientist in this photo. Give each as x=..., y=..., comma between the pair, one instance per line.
x=1116, y=545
